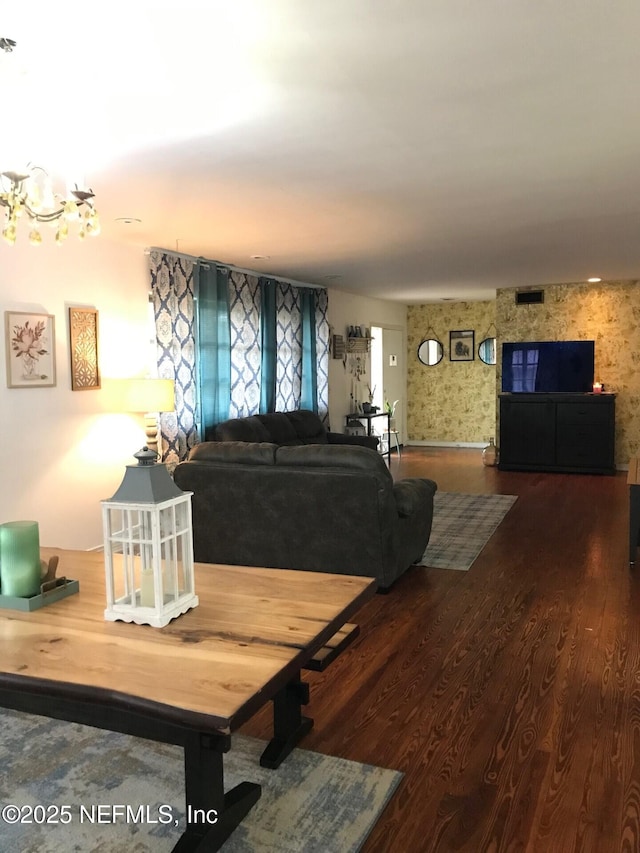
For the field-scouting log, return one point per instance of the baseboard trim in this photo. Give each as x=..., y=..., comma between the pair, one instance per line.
x=433, y=443
x=480, y=445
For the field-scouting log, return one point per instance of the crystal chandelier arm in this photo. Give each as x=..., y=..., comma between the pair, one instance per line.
x=82, y=195
x=18, y=198
x=43, y=217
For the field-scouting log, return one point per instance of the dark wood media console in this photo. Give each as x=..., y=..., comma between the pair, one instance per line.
x=573, y=433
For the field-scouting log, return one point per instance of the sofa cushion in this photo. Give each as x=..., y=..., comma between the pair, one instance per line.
x=279, y=427
x=370, y=441
x=349, y=457
x=234, y=452
x=286, y=428
x=308, y=426
x=242, y=429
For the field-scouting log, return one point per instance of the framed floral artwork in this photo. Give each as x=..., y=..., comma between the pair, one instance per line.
x=461, y=345
x=30, y=349
x=83, y=338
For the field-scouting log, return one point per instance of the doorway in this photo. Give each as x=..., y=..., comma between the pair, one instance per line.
x=388, y=372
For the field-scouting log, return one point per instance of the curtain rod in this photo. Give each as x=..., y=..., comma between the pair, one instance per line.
x=208, y=262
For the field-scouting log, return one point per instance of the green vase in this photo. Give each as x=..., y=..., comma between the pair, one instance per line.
x=20, y=570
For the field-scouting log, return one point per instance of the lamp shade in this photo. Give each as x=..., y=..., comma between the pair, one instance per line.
x=146, y=395
x=149, y=395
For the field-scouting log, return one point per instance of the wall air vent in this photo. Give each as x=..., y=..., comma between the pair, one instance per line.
x=529, y=297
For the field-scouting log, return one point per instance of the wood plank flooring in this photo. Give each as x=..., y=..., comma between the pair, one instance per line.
x=509, y=695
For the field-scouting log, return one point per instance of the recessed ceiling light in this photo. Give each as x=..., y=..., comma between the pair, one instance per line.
x=594, y=280
x=260, y=257
x=333, y=276
x=128, y=220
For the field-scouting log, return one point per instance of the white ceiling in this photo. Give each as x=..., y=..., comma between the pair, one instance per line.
x=417, y=149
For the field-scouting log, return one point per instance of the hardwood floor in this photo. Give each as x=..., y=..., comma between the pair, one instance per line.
x=508, y=695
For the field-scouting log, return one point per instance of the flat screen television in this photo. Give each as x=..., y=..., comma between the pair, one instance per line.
x=548, y=366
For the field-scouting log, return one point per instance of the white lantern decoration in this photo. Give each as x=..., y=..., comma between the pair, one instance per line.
x=148, y=546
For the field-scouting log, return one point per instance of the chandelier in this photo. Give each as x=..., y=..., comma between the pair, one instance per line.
x=29, y=195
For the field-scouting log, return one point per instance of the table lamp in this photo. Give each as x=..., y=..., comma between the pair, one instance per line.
x=149, y=397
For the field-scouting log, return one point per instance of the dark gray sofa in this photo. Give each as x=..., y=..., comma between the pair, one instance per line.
x=285, y=428
x=326, y=508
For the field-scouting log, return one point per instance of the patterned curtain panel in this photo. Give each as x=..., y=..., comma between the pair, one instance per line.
x=298, y=371
x=268, y=344
x=244, y=316
x=295, y=348
x=214, y=346
x=172, y=288
x=321, y=299
x=288, y=348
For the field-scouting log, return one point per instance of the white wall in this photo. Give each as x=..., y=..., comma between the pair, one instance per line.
x=63, y=452
x=349, y=309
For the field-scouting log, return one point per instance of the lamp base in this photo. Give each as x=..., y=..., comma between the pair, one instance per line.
x=151, y=433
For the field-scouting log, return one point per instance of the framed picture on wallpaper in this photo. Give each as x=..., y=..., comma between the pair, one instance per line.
x=83, y=341
x=30, y=344
x=461, y=346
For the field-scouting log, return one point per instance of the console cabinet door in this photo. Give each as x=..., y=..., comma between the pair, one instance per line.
x=585, y=436
x=563, y=432
x=527, y=433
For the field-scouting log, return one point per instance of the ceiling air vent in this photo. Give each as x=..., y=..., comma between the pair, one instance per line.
x=529, y=297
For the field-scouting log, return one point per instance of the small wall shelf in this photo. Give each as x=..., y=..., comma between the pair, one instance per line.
x=338, y=347
x=358, y=344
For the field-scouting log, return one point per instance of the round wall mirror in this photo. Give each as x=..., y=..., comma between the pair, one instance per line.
x=487, y=350
x=430, y=352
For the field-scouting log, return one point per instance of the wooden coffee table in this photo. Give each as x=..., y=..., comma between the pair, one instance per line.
x=191, y=683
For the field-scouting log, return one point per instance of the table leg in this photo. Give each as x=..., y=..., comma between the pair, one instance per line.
x=387, y=452
x=634, y=522
x=212, y=815
x=289, y=725
x=389, y=439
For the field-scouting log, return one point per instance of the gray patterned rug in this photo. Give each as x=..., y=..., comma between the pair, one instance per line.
x=462, y=526
x=312, y=804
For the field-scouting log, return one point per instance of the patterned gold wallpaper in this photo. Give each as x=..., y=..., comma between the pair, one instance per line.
x=457, y=401
x=452, y=401
x=609, y=314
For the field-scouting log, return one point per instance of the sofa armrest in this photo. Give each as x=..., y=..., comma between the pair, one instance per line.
x=410, y=495
x=359, y=440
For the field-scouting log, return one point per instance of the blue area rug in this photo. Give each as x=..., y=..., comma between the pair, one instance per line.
x=462, y=526
x=311, y=804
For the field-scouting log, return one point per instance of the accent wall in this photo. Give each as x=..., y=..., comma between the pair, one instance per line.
x=453, y=402
x=607, y=313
